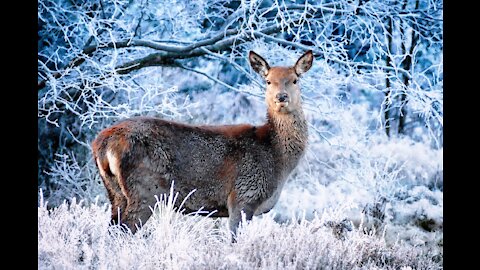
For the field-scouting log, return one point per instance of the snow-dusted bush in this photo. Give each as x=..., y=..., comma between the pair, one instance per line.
x=77, y=236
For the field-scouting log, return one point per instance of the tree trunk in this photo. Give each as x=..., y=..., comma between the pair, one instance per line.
x=387, y=106
x=407, y=65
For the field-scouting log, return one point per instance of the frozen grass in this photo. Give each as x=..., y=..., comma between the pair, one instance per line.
x=77, y=236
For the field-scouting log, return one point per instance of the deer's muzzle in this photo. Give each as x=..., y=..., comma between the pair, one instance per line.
x=281, y=97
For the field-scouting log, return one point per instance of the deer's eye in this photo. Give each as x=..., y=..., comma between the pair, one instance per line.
x=295, y=81
x=269, y=82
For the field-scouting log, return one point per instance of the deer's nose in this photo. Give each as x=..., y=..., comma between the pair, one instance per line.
x=281, y=97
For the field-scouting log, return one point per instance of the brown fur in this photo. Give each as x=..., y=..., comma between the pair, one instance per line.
x=232, y=168
x=230, y=131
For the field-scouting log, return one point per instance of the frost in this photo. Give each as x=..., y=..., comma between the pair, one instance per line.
x=77, y=236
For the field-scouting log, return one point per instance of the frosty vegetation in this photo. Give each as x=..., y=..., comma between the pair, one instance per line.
x=74, y=236
x=367, y=195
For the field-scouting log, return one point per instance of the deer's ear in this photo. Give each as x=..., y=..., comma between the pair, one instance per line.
x=304, y=63
x=258, y=64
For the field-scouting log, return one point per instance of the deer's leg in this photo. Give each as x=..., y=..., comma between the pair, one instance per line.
x=116, y=197
x=235, y=209
x=137, y=213
x=119, y=205
x=142, y=188
x=111, y=182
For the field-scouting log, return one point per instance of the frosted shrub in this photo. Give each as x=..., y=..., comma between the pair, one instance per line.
x=70, y=179
x=71, y=235
x=420, y=164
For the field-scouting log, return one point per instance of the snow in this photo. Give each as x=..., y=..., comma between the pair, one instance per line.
x=77, y=235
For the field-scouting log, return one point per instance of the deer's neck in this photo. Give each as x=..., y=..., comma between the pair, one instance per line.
x=289, y=136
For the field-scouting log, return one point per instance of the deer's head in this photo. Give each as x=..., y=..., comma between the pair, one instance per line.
x=283, y=90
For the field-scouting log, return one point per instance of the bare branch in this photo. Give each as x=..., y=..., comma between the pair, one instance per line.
x=178, y=64
x=166, y=58
x=217, y=42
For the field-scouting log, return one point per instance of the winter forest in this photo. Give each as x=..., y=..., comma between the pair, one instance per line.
x=368, y=192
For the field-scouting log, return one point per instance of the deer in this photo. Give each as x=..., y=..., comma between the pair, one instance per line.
x=233, y=169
